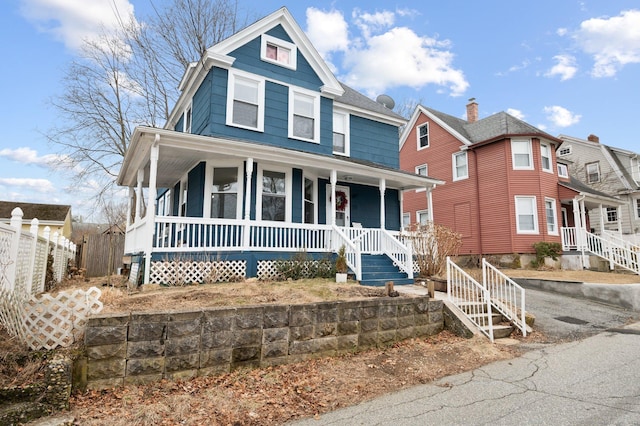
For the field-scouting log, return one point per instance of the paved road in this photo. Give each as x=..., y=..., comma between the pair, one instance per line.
x=585, y=381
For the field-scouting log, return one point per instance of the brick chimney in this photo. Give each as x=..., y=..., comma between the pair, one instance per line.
x=593, y=138
x=472, y=111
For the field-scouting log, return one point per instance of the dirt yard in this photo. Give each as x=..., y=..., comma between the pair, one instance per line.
x=274, y=395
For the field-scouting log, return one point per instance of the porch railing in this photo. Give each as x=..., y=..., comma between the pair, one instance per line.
x=627, y=241
x=624, y=255
x=401, y=254
x=506, y=295
x=470, y=297
x=352, y=251
x=569, y=239
x=368, y=239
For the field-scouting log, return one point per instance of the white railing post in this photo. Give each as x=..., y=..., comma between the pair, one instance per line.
x=32, y=253
x=47, y=237
x=12, y=264
x=56, y=258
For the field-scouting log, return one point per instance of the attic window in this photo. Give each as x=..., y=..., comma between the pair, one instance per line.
x=564, y=150
x=278, y=52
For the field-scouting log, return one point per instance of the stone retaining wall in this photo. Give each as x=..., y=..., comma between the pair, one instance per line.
x=144, y=347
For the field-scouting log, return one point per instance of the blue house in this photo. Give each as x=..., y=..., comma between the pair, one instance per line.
x=266, y=154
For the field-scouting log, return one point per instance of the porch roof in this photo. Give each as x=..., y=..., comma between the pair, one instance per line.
x=592, y=197
x=179, y=152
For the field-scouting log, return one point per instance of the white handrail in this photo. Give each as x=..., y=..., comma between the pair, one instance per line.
x=352, y=251
x=401, y=254
x=614, y=253
x=506, y=295
x=470, y=297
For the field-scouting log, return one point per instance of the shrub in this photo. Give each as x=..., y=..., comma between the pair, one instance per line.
x=432, y=244
x=544, y=249
x=302, y=266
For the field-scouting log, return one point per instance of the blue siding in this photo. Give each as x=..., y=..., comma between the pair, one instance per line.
x=392, y=210
x=195, y=193
x=322, y=200
x=296, y=196
x=201, y=108
x=180, y=124
x=375, y=142
x=176, y=200
x=248, y=59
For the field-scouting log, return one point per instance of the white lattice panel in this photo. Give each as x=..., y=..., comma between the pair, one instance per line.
x=40, y=266
x=267, y=270
x=23, y=262
x=52, y=321
x=11, y=312
x=180, y=272
x=6, y=240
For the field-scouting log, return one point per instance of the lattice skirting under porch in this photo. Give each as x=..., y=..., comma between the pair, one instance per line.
x=203, y=272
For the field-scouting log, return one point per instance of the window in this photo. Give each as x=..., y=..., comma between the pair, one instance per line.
x=304, y=114
x=422, y=134
x=545, y=155
x=187, y=120
x=612, y=214
x=550, y=212
x=278, y=52
x=593, y=172
x=460, y=169
x=526, y=215
x=309, y=213
x=422, y=217
x=164, y=204
x=637, y=207
x=521, y=155
x=273, y=203
x=406, y=220
x=224, y=194
x=184, y=190
x=563, y=171
x=422, y=170
x=564, y=150
x=340, y=133
x=245, y=102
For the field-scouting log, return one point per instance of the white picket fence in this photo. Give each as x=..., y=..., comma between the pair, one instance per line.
x=40, y=320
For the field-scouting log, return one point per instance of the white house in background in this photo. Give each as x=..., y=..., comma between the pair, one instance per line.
x=613, y=171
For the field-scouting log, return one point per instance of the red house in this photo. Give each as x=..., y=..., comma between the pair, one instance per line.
x=503, y=191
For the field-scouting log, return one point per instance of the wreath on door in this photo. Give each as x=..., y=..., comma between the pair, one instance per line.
x=341, y=200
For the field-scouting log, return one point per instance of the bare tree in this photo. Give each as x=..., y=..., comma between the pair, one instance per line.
x=128, y=78
x=116, y=216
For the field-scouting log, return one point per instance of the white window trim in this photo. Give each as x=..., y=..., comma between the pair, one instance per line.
x=586, y=168
x=635, y=169
x=418, y=136
x=454, y=168
x=287, y=186
x=233, y=75
x=636, y=207
x=563, y=170
x=419, y=212
x=293, y=51
x=187, y=112
x=347, y=133
x=184, y=186
x=513, y=155
x=314, y=179
x=550, y=168
x=426, y=166
x=406, y=215
x=555, y=215
x=536, y=230
x=566, y=148
x=316, y=113
x=209, y=185
x=606, y=215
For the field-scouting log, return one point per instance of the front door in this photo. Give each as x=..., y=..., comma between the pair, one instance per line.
x=343, y=205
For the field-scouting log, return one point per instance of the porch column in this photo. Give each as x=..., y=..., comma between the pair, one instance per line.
x=401, y=210
x=383, y=187
x=430, y=203
x=151, y=208
x=139, y=195
x=333, y=180
x=583, y=217
x=601, y=220
x=248, y=171
x=129, y=206
x=619, y=221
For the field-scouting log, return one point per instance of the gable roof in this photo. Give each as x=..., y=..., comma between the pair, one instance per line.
x=485, y=130
x=43, y=212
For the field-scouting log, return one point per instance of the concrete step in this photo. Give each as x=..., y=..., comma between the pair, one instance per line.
x=500, y=331
x=381, y=282
x=483, y=320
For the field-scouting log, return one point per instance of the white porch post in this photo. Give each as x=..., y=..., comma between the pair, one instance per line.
x=430, y=203
x=601, y=220
x=248, y=171
x=583, y=217
x=139, y=195
x=129, y=206
x=619, y=221
x=401, y=210
x=333, y=180
x=383, y=187
x=151, y=210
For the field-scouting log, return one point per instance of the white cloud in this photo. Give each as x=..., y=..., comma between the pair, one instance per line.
x=328, y=31
x=39, y=185
x=562, y=32
x=26, y=155
x=383, y=55
x=73, y=21
x=565, y=67
x=613, y=42
x=561, y=117
x=516, y=113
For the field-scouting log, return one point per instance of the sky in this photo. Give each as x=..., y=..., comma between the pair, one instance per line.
x=567, y=67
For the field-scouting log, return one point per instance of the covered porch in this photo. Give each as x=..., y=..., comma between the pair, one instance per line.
x=192, y=196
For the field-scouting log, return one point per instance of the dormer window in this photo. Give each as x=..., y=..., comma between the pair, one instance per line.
x=187, y=120
x=278, y=52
